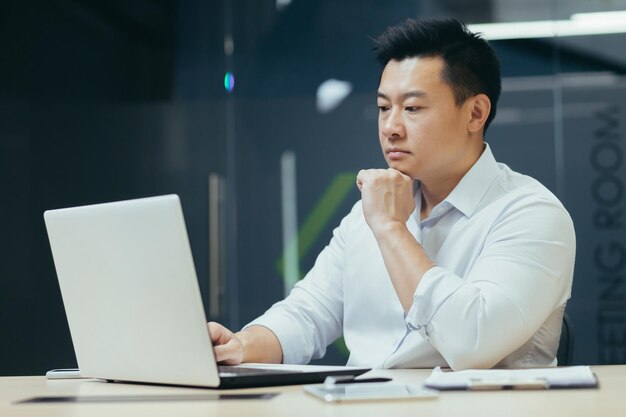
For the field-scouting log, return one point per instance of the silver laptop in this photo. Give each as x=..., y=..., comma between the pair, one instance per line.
x=133, y=304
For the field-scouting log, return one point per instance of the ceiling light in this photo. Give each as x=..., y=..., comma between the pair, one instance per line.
x=578, y=25
x=331, y=93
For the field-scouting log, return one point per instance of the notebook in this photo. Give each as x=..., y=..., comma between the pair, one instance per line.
x=133, y=303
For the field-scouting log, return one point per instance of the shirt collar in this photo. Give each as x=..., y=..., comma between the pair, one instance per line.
x=468, y=193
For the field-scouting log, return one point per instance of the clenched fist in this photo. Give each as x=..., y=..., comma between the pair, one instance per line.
x=387, y=197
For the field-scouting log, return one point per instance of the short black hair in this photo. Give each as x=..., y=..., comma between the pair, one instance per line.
x=470, y=64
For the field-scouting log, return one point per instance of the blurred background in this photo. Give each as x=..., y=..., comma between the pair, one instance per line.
x=258, y=114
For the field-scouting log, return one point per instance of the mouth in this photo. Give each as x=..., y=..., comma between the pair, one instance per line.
x=396, y=153
x=389, y=150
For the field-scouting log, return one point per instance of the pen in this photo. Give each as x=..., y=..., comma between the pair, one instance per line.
x=349, y=379
x=380, y=379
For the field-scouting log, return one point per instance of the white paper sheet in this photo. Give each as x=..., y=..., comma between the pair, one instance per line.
x=573, y=376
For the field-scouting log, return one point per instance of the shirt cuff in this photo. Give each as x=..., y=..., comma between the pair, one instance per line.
x=435, y=287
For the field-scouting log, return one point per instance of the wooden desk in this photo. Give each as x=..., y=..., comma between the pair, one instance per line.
x=608, y=400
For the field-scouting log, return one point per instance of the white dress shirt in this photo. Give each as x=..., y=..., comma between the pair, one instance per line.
x=504, y=251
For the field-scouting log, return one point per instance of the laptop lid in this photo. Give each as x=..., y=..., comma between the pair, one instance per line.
x=132, y=299
x=130, y=292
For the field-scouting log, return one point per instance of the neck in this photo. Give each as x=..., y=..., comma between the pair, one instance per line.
x=437, y=188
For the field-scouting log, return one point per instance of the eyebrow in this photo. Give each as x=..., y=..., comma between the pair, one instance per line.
x=408, y=94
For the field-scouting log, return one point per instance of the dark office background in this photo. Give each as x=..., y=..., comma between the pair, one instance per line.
x=111, y=100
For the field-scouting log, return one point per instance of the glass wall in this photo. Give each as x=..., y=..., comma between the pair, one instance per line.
x=306, y=79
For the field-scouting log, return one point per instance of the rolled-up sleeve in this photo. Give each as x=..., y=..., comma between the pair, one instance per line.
x=522, y=274
x=311, y=317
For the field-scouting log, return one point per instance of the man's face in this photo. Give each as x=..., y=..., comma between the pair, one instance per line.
x=422, y=132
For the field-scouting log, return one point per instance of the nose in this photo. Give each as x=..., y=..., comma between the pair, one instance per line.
x=391, y=124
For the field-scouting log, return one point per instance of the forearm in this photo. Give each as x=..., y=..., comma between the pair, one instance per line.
x=260, y=345
x=404, y=258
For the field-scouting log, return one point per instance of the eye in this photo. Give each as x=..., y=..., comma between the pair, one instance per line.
x=413, y=109
x=382, y=108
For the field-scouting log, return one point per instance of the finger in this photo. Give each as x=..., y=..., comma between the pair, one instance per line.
x=214, y=331
x=361, y=178
x=400, y=177
x=228, y=354
x=219, y=334
x=221, y=353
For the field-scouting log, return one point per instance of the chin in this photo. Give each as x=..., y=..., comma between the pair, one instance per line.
x=400, y=167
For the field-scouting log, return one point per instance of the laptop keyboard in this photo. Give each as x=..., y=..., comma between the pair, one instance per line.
x=236, y=370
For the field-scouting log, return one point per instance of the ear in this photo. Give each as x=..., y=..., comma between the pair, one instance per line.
x=480, y=107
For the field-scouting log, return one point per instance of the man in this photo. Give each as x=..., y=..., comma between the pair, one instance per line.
x=449, y=258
